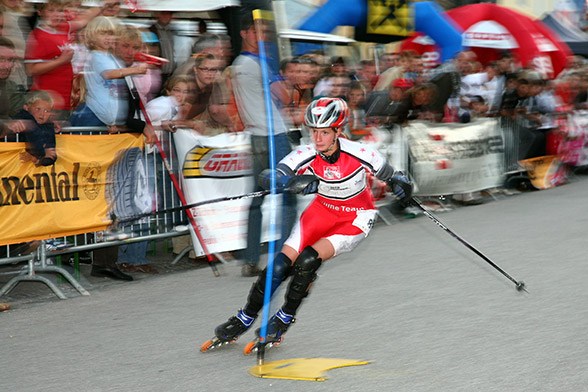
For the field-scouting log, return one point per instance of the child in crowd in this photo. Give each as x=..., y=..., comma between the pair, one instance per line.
x=173, y=105
x=49, y=52
x=106, y=93
x=40, y=131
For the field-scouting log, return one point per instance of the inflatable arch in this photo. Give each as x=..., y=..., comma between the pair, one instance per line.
x=428, y=18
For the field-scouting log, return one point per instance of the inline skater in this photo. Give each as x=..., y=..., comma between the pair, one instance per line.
x=340, y=216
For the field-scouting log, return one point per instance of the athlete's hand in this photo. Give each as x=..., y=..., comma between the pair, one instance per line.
x=400, y=185
x=264, y=179
x=305, y=184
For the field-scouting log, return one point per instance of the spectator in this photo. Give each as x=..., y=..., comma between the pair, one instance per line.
x=248, y=89
x=172, y=105
x=447, y=79
x=504, y=67
x=293, y=92
x=387, y=60
x=15, y=28
x=477, y=108
x=389, y=107
x=356, y=101
x=205, y=72
x=105, y=86
x=509, y=98
x=148, y=84
x=216, y=44
x=165, y=35
x=11, y=98
x=340, y=86
x=113, y=262
x=49, y=53
x=400, y=71
x=40, y=131
x=339, y=66
x=366, y=74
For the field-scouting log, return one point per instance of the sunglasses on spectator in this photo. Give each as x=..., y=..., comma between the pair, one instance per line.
x=205, y=69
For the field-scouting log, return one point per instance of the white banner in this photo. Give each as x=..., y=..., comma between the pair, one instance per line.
x=455, y=158
x=215, y=167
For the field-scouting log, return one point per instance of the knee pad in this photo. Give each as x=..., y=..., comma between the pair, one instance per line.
x=281, y=271
x=304, y=270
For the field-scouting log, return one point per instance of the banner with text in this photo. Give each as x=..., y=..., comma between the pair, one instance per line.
x=75, y=195
x=214, y=167
x=455, y=158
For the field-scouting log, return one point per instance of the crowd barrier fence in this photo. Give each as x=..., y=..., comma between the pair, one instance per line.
x=47, y=255
x=163, y=226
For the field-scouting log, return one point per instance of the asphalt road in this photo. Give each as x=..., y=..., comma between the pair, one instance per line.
x=429, y=313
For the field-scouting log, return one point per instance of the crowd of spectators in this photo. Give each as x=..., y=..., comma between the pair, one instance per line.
x=80, y=64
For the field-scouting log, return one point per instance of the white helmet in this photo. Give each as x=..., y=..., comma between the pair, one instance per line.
x=326, y=113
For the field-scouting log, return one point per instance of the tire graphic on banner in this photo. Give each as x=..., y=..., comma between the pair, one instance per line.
x=127, y=189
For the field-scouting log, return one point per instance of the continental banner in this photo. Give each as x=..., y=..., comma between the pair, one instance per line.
x=215, y=167
x=94, y=176
x=455, y=158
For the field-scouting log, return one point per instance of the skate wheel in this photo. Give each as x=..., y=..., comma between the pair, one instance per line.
x=206, y=345
x=248, y=349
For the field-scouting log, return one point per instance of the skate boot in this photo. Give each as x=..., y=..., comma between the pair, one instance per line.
x=229, y=331
x=276, y=328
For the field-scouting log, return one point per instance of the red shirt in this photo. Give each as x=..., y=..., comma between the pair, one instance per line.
x=45, y=44
x=343, y=185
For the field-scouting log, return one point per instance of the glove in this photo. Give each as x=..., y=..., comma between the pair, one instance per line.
x=304, y=184
x=400, y=185
x=264, y=179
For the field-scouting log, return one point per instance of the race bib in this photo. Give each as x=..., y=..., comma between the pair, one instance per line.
x=365, y=220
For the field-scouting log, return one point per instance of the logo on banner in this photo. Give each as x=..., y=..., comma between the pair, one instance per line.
x=390, y=17
x=216, y=162
x=90, y=180
x=332, y=173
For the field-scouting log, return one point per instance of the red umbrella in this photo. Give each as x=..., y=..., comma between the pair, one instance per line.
x=489, y=29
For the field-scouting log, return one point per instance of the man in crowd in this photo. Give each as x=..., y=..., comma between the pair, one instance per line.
x=248, y=90
x=11, y=97
x=165, y=34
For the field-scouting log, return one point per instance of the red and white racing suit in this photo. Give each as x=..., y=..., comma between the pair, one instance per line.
x=342, y=211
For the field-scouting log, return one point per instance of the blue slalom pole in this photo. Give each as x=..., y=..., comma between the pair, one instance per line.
x=257, y=17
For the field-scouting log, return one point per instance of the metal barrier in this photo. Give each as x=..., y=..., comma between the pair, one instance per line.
x=511, y=134
x=163, y=226
x=155, y=227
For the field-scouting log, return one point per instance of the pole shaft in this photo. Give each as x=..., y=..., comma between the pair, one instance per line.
x=429, y=215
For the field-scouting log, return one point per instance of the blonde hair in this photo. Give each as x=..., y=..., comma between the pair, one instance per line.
x=37, y=95
x=171, y=82
x=99, y=25
x=129, y=33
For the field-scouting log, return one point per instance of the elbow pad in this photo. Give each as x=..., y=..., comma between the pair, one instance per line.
x=385, y=173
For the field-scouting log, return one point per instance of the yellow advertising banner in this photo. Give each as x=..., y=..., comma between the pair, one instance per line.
x=75, y=195
x=390, y=17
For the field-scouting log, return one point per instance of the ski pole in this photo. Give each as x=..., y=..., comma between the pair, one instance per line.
x=302, y=181
x=193, y=205
x=519, y=284
x=258, y=18
x=172, y=176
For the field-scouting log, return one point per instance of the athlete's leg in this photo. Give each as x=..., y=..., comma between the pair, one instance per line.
x=281, y=271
